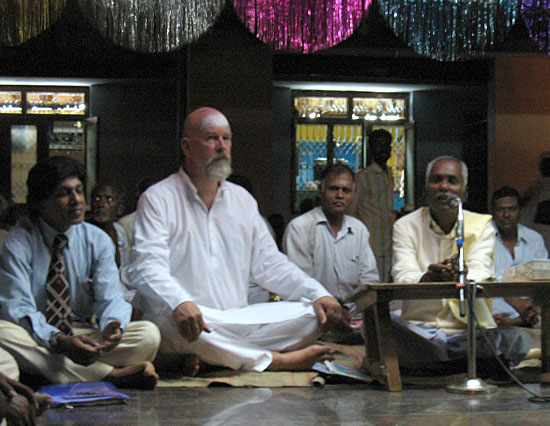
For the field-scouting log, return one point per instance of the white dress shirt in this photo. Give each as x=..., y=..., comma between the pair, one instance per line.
x=343, y=263
x=530, y=246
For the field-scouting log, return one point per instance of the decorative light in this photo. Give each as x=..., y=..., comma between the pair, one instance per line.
x=20, y=20
x=536, y=15
x=152, y=26
x=447, y=30
x=302, y=26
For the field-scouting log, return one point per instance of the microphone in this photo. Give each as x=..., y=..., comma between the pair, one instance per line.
x=456, y=200
x=452, y=200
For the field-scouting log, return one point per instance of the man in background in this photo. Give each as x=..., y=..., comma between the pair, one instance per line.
x=373, y=203
x=107, y=206
x=515, y=244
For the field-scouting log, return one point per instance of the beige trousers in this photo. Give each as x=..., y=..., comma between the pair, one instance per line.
x=139, y=343
x=8, y=365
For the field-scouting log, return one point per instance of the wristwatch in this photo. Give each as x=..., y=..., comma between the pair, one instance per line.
x=54, y=342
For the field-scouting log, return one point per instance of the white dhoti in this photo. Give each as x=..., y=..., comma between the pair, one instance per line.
x=139, y=343
x=242, y=339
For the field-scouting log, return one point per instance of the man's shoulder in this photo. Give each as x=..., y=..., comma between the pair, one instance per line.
x=128, y=219
x=304, y=220
x=416, y=216
x=476, y=222
x=90, y=235
x=172, y=181
x=21, y=233
x=528, y=233
x=237, y=191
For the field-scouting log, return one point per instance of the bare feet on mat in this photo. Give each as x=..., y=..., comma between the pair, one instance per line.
x=177, y=365
x=139, y=376
x=302, y=359
x=43, y=401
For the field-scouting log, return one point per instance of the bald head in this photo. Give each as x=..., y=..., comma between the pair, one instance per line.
x=203, y=118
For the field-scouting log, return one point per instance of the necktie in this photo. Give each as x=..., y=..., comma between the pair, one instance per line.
x=58, y=291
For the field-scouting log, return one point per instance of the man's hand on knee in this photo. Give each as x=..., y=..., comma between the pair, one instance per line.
x=188, y=318
x=331, y=314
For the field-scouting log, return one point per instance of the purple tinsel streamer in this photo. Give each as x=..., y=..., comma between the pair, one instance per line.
x=302, y=26
x=536, y=15
x=448, y=30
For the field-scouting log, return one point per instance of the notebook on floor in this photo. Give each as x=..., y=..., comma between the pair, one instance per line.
x=84, y=394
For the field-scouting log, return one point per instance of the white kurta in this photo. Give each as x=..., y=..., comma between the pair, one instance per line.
x=183, y=252
x=419, y=242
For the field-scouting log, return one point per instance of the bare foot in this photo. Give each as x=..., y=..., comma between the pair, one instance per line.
x=177, y=365
x=43, y=400
x=139, y=376
x=302, y=359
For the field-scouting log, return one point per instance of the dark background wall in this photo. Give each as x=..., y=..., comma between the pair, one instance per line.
x=453, y=122
x=138, y=130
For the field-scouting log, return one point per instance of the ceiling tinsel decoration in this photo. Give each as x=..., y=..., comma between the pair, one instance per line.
x=536, y=15
x=302, y=26
x=22, y=19
x=447, y=30
x=152, y=26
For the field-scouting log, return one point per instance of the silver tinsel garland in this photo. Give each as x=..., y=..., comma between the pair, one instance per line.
x=447, y=30
x=152, y=26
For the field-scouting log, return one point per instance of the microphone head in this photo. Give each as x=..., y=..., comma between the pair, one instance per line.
x=452, y=200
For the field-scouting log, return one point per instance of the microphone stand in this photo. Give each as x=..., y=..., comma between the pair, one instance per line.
x=472, y=385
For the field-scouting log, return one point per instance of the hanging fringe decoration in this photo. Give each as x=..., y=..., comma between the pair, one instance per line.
x=447, y=30
x=152, y=26
x=301, y=26
x=536, y=15
x=21, y=20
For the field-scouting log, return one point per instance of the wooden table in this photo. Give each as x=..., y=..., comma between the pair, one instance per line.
x=381, y=359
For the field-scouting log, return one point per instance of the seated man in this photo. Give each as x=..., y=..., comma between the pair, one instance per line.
x=198, y=242
x=57, y=272
x=107, y=206
x=127, y=222
x=331, y=246
x=423, y=245
x=515, y=244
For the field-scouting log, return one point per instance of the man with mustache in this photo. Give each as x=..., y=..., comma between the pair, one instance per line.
x=198, y=242
x=515, y=244
x=57, y=272
x=331, y=246
x=424, y=247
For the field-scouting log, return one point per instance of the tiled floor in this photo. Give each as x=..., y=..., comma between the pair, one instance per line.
x=331, y=405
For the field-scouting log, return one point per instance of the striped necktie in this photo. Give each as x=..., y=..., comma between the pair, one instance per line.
x=58, y=291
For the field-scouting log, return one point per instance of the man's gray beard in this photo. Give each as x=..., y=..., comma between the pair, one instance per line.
x=219, y=168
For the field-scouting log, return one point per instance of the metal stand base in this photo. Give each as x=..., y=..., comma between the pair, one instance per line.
x=472, y=387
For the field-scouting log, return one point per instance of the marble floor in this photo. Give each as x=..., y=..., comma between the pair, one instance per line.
x=331, y=405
